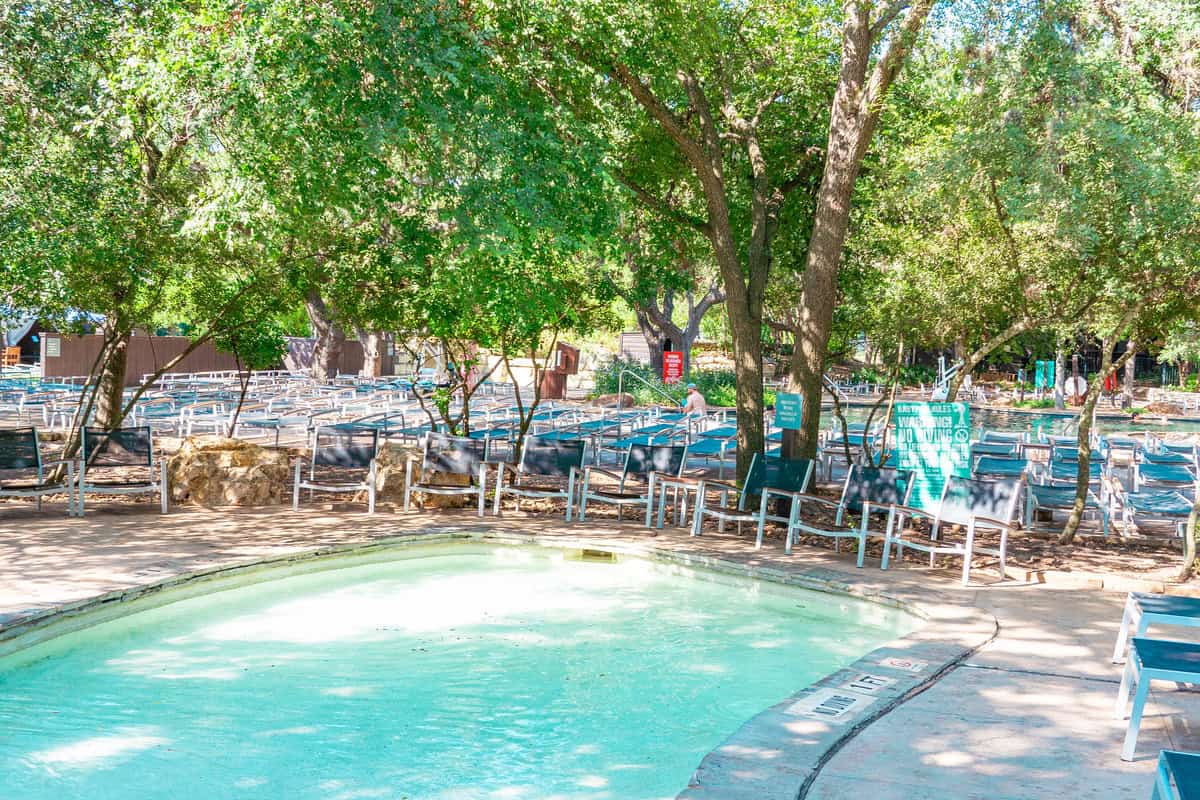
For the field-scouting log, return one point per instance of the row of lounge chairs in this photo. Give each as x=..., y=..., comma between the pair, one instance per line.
x=105, y=460
x=652, y=477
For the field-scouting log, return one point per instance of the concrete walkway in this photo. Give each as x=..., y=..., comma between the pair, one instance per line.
x=1029, y=715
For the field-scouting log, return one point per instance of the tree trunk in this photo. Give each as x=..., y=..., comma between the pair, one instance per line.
x=1084, y=445
x=689, y=339
x=655, y=338
x=1060, y=379
x=819, y=293
x=327, y=352
x=972, y=360
x=110, y=395
x=657, y=324
x=372, y=345
x=1130, y=370
x=747, y=365
x=854, y=114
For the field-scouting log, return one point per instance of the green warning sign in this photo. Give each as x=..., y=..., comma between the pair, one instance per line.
x=933, y=440
x=788, y=409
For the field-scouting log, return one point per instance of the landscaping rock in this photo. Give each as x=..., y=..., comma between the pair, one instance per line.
x=218, y=471
x=1166, y=409
x=390, y=466
x=614, y=401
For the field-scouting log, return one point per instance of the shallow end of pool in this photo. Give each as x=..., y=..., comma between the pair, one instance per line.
x=776, y=754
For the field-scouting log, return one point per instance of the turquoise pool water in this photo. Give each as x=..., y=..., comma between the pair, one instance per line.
x=479, y=673
x=1050, y=424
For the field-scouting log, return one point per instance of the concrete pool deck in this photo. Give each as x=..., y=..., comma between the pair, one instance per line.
x=1026, y=715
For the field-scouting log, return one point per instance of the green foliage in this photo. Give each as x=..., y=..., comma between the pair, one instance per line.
x=719, y=387
x=908, y=375
x=608, y=381
x=1032, y=403
x=1034, y=173
x=111, y=153
x=1182, y=343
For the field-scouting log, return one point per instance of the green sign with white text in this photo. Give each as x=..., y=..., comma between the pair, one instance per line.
x=788, y=408
x=933, y=440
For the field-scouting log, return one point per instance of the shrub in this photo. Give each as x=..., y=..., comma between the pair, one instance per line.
x=608, y=382
x=1045, y=402
x=719, y=387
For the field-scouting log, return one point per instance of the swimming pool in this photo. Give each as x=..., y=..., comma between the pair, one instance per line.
x=1033, y=422
x=469, y=672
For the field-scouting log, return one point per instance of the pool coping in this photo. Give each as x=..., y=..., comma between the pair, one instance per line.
x=777, y=753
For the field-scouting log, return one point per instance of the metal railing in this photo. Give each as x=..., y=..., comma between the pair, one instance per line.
x=941, y=389
x=644, y=382
x=833, y=387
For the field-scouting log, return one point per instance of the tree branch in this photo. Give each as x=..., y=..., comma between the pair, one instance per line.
x=889, y=66
x=887, y=17
x=659, y=204
x=674, y=126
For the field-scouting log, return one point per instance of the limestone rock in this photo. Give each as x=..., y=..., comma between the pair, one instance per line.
x=614, y=401
x=1166, y=409
x=218, y=471
x=390, y=466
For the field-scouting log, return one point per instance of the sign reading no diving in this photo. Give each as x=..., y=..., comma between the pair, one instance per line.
x=933, y=440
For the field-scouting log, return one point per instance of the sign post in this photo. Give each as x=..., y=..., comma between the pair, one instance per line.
x=788, y=408
x=672, y=366
x=933, y=440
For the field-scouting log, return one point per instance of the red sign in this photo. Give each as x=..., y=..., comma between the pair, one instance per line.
x=672, y=366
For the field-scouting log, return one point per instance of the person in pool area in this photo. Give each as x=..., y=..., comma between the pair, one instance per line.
x=695, y=404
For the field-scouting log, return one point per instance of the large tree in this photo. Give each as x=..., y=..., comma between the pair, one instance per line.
x=876, y=41
x=709, y=114
x=108, y=162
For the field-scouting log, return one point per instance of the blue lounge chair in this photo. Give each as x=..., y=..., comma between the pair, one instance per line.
x=643, y=464
x=1049, y=497
x=719, y=432
x=1178, y=776
x=1001, y=449
x=341, y=453
x=1169, y=457
x=1163, y=475
x=866, y=491
x=121, y=449
x=1152, y=660
x=1161, y=504
x=1069, y=454
x=442, y=454
x=1005, y=437
x=547, y=469
x=1065, y=472
x=975, y=504
x=564, y=435
x=1143, y=609
x=782, y=475
x=715, y=443
x=996, y=467
x=21, y=453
